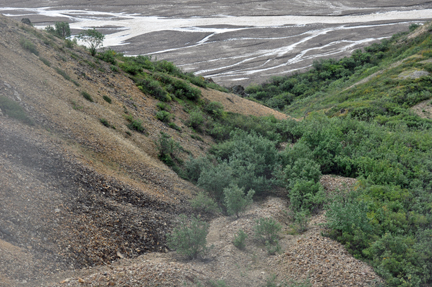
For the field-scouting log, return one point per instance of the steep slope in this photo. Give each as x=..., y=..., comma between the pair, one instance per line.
x=73, y=191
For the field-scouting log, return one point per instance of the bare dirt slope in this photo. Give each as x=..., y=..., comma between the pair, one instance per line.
x=74, y=192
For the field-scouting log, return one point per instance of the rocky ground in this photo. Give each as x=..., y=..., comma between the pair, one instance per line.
x=307, y=257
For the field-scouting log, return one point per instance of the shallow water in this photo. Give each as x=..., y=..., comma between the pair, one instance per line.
x=235, y=49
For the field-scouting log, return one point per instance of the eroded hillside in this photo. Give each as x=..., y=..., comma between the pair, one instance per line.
x=76, y=192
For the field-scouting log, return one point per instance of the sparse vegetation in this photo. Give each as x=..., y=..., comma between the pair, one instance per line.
x=29, y=46
x=45, y=61
x=134, y=124
x=174, y=126
x=105, y=122
x=14, y=110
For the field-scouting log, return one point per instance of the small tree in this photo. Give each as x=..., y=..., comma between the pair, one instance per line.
x=235, y=199
x=239, y=239
x=60, y=29
x=189, y=237
x=94, y=39
x=267, y=229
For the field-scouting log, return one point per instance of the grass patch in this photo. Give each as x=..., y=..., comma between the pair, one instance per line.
x=45, y=61
x=134, y=124
x=107, y=99
x=87, y=96
x=14, y=110
x=63, y=73
x=105, y=122
x=29, y=46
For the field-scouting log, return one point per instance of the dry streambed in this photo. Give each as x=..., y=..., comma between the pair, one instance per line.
x=239, y=44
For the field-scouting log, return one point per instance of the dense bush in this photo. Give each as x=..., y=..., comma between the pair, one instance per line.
x=108, y=56
x=164, y=116
x=189, y=237
x=153, y=88
x=196, y=119
x=203, y=202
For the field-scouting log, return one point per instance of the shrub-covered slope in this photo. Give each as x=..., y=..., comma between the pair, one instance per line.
x=359, y=122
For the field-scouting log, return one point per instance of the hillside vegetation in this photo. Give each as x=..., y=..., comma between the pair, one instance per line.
x=359, y=122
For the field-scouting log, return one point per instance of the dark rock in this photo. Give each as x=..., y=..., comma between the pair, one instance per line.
x=239, y=90
x=27, y=21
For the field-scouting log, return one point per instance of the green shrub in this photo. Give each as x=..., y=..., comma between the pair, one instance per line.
x=303, y=169
x=45, y=61
x=136, y=125
x=215, y=109
x=29, y=46
x=14, y=110
x=197, y=137
x=107, y=99
x=164, y=116
x=306, y=195
x=115, y=69
x=267, y=229
x=163, y=106
x=174, y=126
x=87, y=96
x=70, y=43
x=168, y=149
x=301, y=221
x=216, y=179
x=108, y=56
x=239, y=239
x=196, y=119
x=236, y=201
x=154, y=89
x=105, y=122
x=203, y=202
x=194, y=166
x=189, y=237
x=273, y=247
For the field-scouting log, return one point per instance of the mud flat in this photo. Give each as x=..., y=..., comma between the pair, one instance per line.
x=233, y=44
